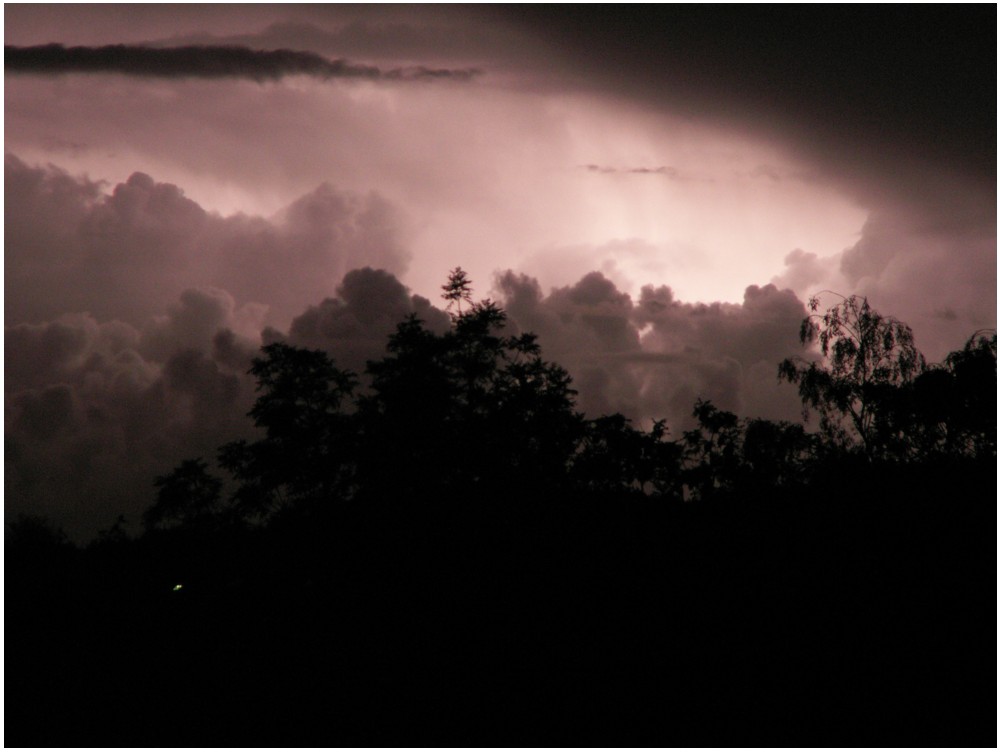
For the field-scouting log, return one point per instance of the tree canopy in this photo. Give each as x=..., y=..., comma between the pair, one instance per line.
x=445, y=541
x=476, y=413
x=867, y=357
x=875, y=392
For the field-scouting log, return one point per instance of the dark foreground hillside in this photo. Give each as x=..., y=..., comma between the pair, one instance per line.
x=819, y=620
x=454, y=557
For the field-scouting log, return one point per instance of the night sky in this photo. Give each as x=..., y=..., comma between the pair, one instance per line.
x=655, y=191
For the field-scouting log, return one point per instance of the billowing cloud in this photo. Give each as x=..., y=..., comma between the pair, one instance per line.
x=807, y=271
x=630, y=167
x=355, y=325
x=132, y=316
x=458, y=159
x=102, y=398
x=195, y=321
x=206, y=62
x=721, y=351
x=95, y=410
x=129, y=253
x=938, y=278
x=652, y=358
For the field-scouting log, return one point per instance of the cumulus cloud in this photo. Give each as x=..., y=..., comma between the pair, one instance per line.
x=197, y=319
x=355, y=325
x=653, y=357
x=725, y=352
x=206, y=62
x=95, y=410
x=486, y=172
x=808, y=271
x=920, y=268
x=133, y=311
x=132, y=315
x=127, y=254
x=628, y=262
x=179, y=300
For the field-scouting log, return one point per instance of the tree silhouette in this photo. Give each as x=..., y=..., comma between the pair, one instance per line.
x=712, y=451
x=974, y=422
x=475, y=413
x=950, y=408
x=472, y=407
x=34, y=532
x=457, y=290
x=616, y=458
x=777, y=454
x=451, y=516
x=868, y=356
x=306, y=454
x=188, y=496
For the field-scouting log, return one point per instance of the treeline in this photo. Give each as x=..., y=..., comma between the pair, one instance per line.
x=473, y=415
x=448, y=553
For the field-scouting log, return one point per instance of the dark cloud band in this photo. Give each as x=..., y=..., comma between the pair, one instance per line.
x=666, y=171
x=206, y=62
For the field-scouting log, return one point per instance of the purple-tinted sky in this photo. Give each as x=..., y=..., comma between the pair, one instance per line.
x=655, y=191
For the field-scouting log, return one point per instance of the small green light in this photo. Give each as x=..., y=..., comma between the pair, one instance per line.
x=177, y=587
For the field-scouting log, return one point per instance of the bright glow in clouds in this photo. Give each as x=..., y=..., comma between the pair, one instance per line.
x=492, y=178
x=664, y=201
x=660, y=256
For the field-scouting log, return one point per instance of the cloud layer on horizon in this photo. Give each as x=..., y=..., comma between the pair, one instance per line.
x=124, y=354
x=486, y=172
x=605, y=179
x=127, y=254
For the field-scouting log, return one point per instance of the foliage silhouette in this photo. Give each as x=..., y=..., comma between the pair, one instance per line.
x=474, y=414
x=304, y=457
x=725, y=454
x=457, y=290
x=615, y=458
x=468, y=410
x=445, y=552
x=868, y=357
x=187, y=496
x=33, y=532
x=963, y=407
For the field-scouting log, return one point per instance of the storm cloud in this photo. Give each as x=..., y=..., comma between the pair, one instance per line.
x=95, y=410
x=206, y=62
x=657, y=192
x=666, y=171
x=354, y=325
x=133, y=315
x=128, y=253
x=651, y=358
x=938, y=277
